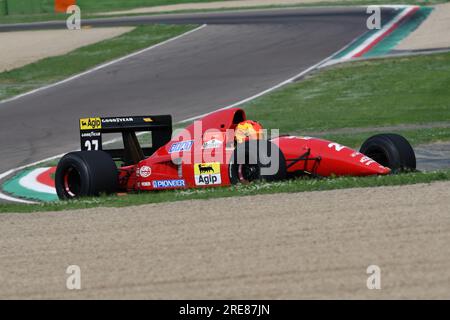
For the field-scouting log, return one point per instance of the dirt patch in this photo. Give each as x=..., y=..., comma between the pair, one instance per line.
x=212, y=5
x=432, y=33
x=305, y=245
x=24, y=47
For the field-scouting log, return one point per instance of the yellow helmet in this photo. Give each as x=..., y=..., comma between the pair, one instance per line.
x=248, y=130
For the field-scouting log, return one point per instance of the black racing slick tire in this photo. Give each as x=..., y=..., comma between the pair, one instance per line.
x=390, y=150
x=257, y=160
x=85, y=174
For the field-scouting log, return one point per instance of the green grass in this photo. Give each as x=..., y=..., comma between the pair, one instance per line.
x=295, y=185
x=53, y=69
x=91, y=9
x=362, y=94
x=117, y=5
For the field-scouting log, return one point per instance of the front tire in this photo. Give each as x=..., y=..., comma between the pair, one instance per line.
x=390, y=150
x=257, y=160
x=85, y=174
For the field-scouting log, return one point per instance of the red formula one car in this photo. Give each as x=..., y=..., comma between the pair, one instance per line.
x=221, y=149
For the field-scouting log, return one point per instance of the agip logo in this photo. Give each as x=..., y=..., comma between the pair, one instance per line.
x=90, y=124
x=207, y=174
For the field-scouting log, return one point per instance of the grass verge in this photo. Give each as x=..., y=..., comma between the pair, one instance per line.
x=88, y=7
x=115, y=5
x=53, y=69
x=382, y=92
x=295, y=185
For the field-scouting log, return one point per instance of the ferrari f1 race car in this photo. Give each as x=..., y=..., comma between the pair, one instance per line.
x=221, y=149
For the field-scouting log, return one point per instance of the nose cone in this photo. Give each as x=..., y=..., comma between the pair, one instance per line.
x=384, y=170
x=376, y=168
x=367, y=166
x=340, y=160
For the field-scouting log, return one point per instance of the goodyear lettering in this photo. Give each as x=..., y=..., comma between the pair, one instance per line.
x=90, y=134
x=90, y=123
x=117, y=120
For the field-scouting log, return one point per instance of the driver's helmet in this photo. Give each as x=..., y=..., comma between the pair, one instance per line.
x=248, y=130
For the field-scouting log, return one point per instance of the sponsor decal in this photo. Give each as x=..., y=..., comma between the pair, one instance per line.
x=163, y=184
x=90, y=124
x=336, y=146
x=181, y=146
x=207, y=174
x=90, y=134
x=146, y=184
x=366, y=160
x=148, y=120
x=117, y=120
x=145, y=171
x=212, y=144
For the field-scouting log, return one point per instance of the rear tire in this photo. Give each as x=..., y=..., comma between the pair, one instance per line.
x=257, y=160
x=390, y=150
x=85, y=174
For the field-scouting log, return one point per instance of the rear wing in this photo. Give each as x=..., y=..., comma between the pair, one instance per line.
x=92, y=129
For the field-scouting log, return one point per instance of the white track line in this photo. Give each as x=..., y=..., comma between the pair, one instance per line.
x=279, y=85
x=102, y=66
x=11, y=199
x=275, y=87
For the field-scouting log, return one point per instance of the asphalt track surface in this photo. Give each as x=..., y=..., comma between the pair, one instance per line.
x=236, y=56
